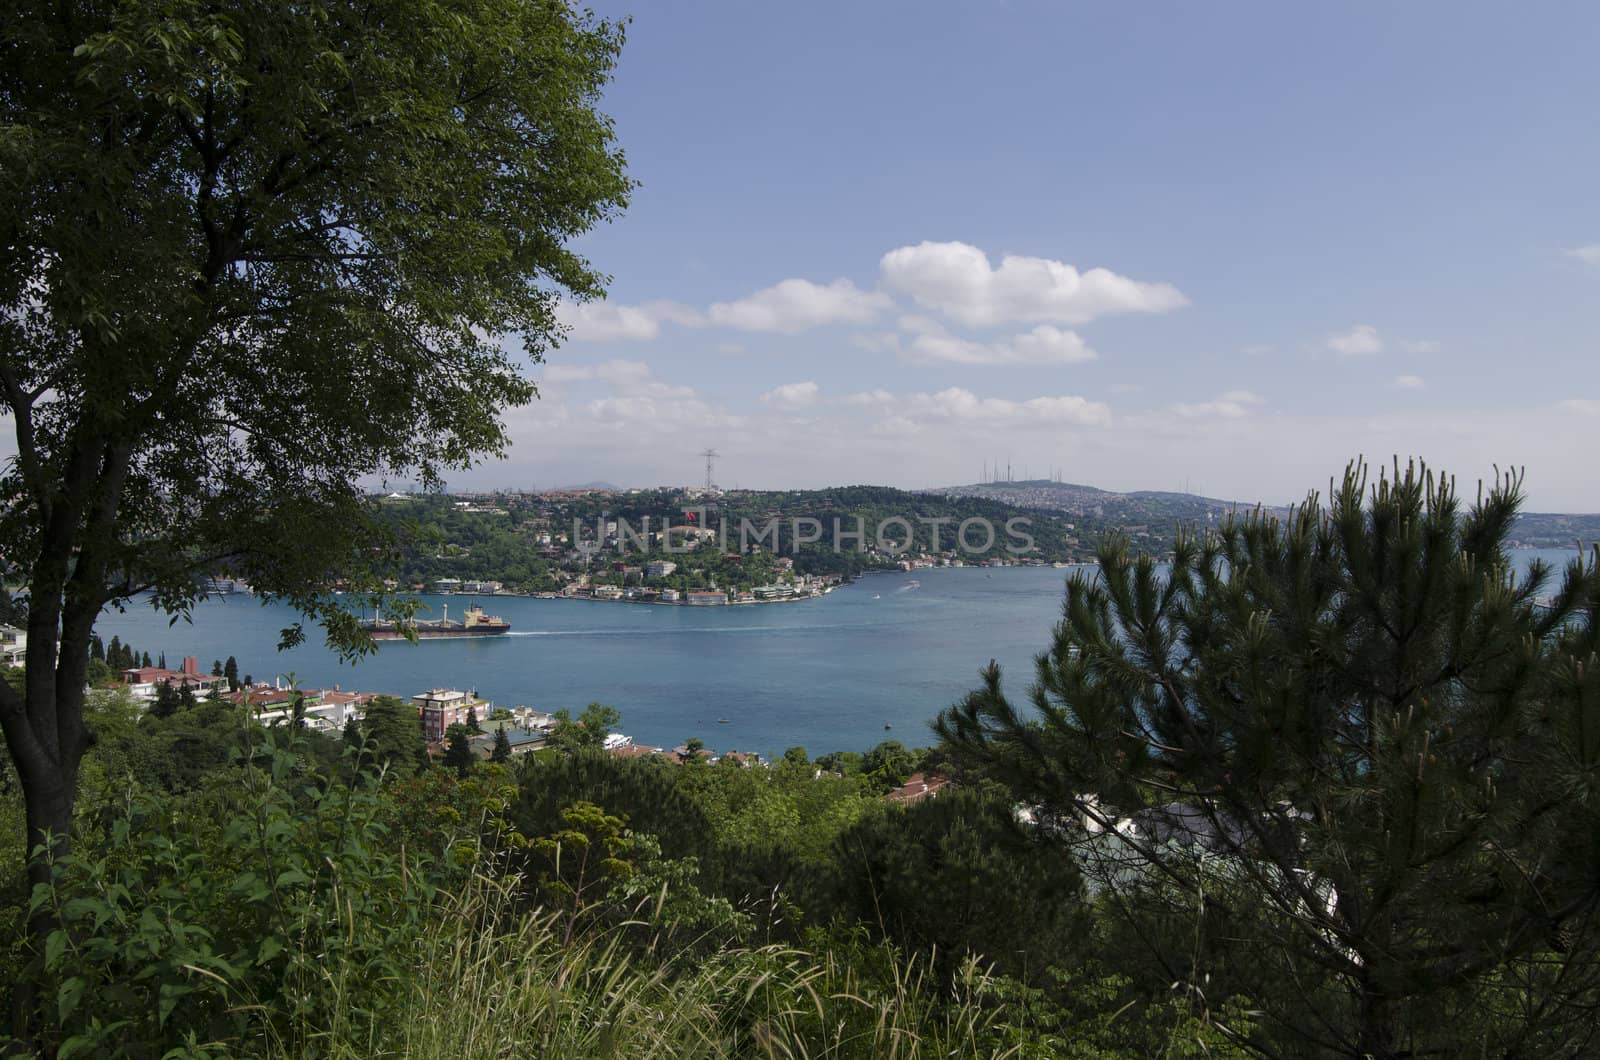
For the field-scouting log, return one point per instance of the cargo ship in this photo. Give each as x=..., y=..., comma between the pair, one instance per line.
x=474, y=623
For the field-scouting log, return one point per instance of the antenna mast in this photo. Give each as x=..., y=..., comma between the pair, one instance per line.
x=711, y=457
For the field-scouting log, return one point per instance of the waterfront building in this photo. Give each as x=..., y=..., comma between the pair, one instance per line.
x=441, y=708
x=659, y=568
x=143, y=681
x=705, y=597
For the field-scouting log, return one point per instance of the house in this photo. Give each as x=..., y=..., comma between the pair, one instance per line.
x=143, y=681
x=441, y=708
x=670, y=596
x=659, y=568
x=13, y=645
x=322, y=710
x=684, y=755
x=917, y=787
x=634, y=750
x=706, y=597
x=521, y=740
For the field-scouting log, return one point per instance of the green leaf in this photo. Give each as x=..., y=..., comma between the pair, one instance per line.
x=54, y=947
x=269, y=948
x=67, y=997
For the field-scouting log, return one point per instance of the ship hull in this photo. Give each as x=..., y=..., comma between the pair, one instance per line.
x=434, y=633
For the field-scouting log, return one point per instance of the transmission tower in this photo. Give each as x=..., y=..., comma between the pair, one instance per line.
x=711, y=459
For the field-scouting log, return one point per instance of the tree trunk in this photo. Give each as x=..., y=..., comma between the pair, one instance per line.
x=48, y=792
x=1377, y=1030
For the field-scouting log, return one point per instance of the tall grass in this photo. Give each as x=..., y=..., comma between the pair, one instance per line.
x=491, y=982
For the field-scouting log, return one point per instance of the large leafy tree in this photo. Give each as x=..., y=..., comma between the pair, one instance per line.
x=253, y=256
x=1351, y=752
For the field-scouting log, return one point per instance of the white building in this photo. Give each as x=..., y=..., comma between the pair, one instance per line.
x=13, y=645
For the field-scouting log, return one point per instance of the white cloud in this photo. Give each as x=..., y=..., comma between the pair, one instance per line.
x=1045, y=344
x=876, y=341
x=633, y=379
x=1582, y=406
x=1408, y=382
x=1589, y=255
x=957, y=280
x=1361, y=340
x=869, y=397
x=602, y=321
x=791, y=396
x=957, y=403
x=617, y=373
x=1232, y=405
x=795, y=305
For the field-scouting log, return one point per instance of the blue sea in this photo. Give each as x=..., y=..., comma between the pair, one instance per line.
x=874, y=660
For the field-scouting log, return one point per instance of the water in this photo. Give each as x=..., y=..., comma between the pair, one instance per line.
x=826, y=674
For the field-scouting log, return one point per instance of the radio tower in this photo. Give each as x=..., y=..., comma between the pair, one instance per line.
x=711, y=458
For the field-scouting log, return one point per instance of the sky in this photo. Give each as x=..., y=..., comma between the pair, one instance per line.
x=1217, y=247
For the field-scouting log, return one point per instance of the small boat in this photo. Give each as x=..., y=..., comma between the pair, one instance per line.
x=877, y=596
x=886, y=725
x=722, y=721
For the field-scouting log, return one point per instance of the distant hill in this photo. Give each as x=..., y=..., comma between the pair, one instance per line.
x=1140, y=506
x=1556, y=530
x=605, y=487
x=1161, y=512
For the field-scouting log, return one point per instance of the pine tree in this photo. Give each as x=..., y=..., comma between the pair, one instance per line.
x=472, y=721
x=1355, y=739
x=97, y=648
x=216, y=667
x=390, y=737
x=147, y=664
x=166, y=702
x=502, y=746
x=161, y=661
x=458, y=753
x=230, y=670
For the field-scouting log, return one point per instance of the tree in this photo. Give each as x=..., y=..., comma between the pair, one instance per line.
x=588, y=730
x=502, y=746
x=888, y=764
x=472, y=721
x=458, y=752
x=216, y=668
x=166, y=701
x=97, y=649
x=1353, y=740
x=230, y=670
x=958, y=876
x=389, y=738
x=219, y=221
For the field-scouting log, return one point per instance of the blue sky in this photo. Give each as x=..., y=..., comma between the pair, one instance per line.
x=1231, y=244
